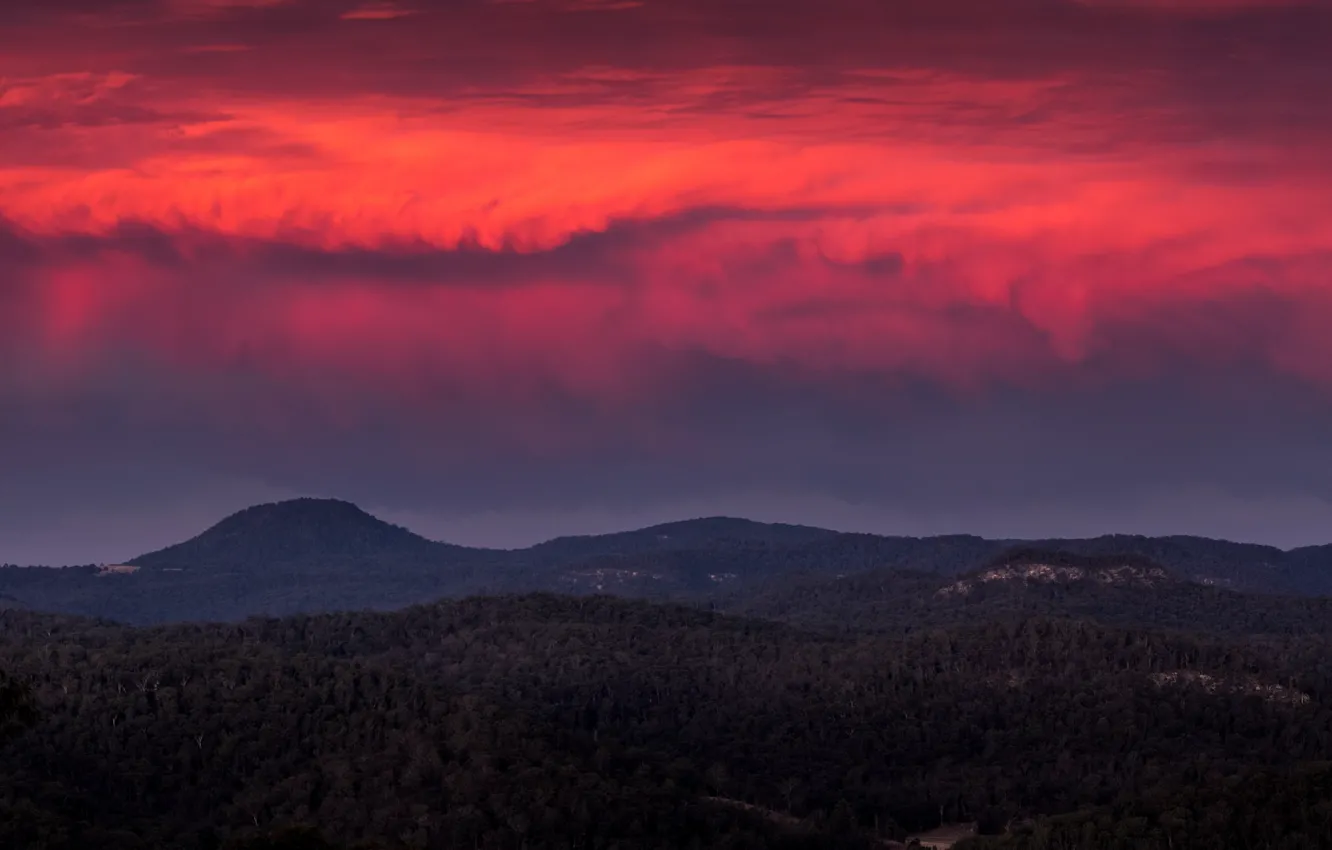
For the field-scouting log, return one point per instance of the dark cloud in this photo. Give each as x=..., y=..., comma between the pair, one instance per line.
x=482, y=39
x=591, y=256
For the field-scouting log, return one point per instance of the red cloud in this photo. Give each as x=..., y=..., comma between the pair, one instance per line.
x=1195, y=6
x=917, y=222
x=377, y=12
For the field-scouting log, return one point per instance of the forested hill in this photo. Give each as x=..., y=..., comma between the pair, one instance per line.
x=313, y=555
x=300, y=532
x=307, y=532
x=1129, y=591
x=561, y=722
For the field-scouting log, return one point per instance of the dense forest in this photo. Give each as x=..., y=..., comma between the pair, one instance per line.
x=547, y=721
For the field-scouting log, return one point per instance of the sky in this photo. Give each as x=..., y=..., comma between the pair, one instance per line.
x=506, y=270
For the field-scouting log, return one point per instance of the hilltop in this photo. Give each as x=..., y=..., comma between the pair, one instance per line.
x=300, y=532
x=683, y=534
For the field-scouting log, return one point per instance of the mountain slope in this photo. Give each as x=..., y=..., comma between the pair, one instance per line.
x=1238, y=566
x=1119, y=590
x=298, y=532
x=1022, y=568
x=1223, y=562
x=273, y=559
x=728, y=567
x=312, y=555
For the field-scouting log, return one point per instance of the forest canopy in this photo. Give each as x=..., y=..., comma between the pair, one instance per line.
x=558, y=722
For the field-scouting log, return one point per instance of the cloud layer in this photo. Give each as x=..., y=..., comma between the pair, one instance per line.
x=477, y=257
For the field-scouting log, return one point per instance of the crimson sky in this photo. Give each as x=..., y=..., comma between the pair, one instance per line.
x=502, y=270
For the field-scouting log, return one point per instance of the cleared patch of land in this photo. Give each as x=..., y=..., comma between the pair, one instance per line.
x=945, y=836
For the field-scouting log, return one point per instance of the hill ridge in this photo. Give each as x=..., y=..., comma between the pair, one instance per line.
x=311, y=555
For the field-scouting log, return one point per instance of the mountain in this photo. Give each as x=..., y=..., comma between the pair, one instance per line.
x=298, y=533
x=325, y=555
x=272, y=559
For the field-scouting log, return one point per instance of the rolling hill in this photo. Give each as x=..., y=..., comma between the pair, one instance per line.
x=1127, y=591
x=310, y=555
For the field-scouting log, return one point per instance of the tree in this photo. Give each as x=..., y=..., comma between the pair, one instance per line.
x=16, y=707
x=291, y=838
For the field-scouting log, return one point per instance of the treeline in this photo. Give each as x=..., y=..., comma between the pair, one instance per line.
x=551, y=722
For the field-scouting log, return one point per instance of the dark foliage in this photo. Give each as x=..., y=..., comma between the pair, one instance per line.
x=901, y=602
x=1290, y=809
x=590, y=722
x=16, y=707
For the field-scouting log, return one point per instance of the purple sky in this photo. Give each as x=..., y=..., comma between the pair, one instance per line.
x=506, y=270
